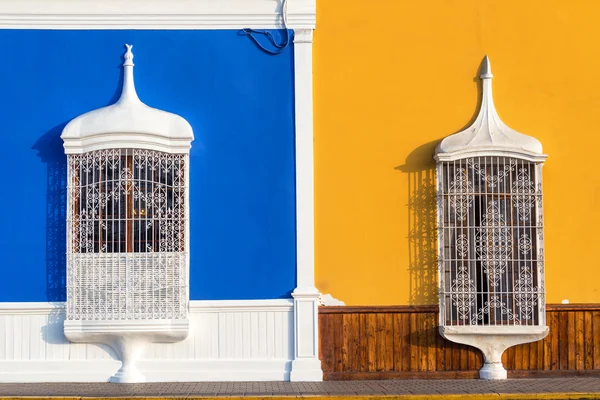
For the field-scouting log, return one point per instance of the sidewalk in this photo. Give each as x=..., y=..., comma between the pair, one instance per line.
x=553, y=388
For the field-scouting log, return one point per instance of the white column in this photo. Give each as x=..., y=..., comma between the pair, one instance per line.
x=306, y=365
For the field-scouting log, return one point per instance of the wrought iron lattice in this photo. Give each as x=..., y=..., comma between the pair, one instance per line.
x=126, y=235
x=491, y=241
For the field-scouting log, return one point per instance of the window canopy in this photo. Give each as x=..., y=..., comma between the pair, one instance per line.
x=488, y=135
x=128, y=123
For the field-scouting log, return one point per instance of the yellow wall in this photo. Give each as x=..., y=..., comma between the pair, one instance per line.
x=392, y=78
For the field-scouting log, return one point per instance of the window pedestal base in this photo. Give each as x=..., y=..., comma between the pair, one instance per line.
x=493, y=341
x=128, y=339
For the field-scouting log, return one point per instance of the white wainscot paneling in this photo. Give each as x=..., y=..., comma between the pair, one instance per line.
x=228, y=341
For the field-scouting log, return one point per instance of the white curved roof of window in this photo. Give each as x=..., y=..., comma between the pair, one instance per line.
x=488, y=135
x=128, y=123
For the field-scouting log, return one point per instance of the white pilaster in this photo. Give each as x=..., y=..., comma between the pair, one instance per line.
x=306, y=365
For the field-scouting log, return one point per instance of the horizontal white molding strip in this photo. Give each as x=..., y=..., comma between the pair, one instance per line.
x=154, y=14
x=250, y=339
x=154, y=371
x=241, y=305
x=195, y=306
x=28, y=308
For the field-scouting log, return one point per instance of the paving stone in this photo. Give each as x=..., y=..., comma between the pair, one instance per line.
x=305, y=389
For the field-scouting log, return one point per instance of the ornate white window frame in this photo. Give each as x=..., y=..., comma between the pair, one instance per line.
x=490, y=240
x=125, y=159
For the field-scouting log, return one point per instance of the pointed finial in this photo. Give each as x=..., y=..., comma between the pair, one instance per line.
x=128, y=92
x=486, y=69
x=128, y=56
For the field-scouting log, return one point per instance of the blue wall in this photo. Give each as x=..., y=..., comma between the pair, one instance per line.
x=239, y=102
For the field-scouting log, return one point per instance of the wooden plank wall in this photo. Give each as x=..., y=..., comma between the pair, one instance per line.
x=403, y=342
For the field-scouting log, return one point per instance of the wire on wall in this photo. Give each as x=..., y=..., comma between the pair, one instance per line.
x=277, y=48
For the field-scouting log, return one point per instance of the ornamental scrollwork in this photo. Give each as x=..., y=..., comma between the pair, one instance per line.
x=493, y=243
x=526, y=294
x=461, y=194
x=462, y=245
x=523, y=194
x=492, y=180
x=491, y=307
x=525, y=244
x=462, y=293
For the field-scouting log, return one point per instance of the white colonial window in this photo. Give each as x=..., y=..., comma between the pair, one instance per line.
x=491, y=243
x=127, y=226
x=126, y=250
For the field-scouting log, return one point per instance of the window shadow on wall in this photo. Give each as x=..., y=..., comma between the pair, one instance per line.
x=422, y=225
x=422, y=214
x=51, y=152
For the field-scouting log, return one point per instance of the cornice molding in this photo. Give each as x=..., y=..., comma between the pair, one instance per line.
x=155, y=14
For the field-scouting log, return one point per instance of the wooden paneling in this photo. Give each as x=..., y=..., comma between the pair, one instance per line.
x=403, y=341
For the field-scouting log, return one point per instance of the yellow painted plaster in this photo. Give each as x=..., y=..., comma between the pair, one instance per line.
x=392, y=78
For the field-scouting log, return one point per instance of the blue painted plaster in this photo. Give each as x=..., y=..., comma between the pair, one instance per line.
x=239, y=102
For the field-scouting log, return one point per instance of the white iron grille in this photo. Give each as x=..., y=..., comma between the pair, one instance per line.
x=126, y=235
x=491, y=251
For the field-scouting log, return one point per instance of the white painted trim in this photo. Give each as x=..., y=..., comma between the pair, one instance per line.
x=306, y=365
x=155, y=14
x=491, y=330
x=305, y=213
x=490, y=152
